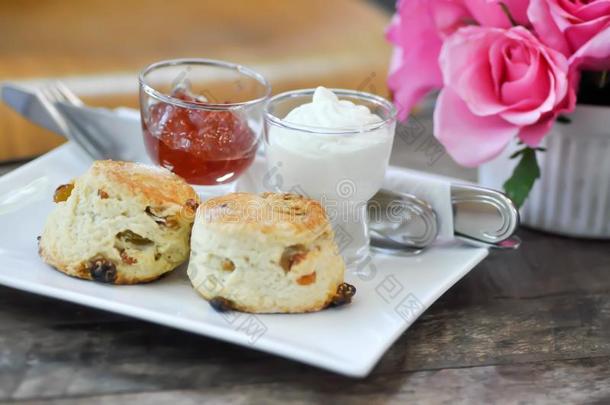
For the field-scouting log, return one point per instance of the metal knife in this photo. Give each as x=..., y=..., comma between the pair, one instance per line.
x=26, y=103
x=119, y=131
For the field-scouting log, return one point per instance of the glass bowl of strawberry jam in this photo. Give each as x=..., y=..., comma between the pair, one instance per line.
x=202, y=119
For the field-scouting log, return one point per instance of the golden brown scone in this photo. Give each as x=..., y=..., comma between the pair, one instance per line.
x=121, y=223
x=266, y=253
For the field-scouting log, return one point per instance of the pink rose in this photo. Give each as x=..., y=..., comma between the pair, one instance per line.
x=579, y=29
x=499, y=83
x=417, y=32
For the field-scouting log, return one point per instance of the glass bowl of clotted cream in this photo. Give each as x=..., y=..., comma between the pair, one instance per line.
x=332, y=145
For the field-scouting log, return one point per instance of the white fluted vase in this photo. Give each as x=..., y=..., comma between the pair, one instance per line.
x=572, y=196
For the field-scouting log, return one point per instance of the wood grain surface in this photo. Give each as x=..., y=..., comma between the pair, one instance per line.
x=296, y=44
x=529, y=326
x=532, y=326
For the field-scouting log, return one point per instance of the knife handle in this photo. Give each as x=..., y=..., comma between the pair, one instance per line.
x=483, y=214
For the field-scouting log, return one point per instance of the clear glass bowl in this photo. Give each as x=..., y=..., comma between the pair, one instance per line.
x=341, y=167
x=202, y=118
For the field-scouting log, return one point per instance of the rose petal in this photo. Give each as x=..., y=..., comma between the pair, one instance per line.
x=517, y=8
x=555, y=66
x=594, y=54
x=413, y=80
x=531, y=135
x=535, y=87
x=469, y=139
x=489, y=12
x=579, y=34
x=448, y=16
x=464, y=61
x=539, y=14
x=497, y=65
x=477, y=88
x=592, y=10
x=414, y=69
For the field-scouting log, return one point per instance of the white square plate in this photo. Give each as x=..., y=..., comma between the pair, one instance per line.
x=392, y=291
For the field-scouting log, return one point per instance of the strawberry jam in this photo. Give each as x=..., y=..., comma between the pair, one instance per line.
x=205, y=147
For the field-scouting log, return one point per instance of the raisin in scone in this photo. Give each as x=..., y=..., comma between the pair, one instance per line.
x=120, y=223
x=268, y=253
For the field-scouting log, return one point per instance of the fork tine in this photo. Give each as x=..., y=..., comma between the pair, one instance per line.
x=47, y=93
x=68, y=94
x=51, y=93
x=59, y=95
x=53, y=98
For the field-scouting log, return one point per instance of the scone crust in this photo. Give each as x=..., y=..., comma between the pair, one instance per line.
x=288, y=214
x=153, y=184
x=135, y=217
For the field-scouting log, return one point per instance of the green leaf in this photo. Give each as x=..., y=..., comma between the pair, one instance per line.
x=562, y=119
x=517, y=153
x=519, y=185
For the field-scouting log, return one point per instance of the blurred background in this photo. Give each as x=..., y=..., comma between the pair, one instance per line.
x=97, y=47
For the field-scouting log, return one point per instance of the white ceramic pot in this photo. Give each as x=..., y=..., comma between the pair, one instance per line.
x=572, y=196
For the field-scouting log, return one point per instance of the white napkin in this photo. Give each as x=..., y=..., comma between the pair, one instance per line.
x=435, y=190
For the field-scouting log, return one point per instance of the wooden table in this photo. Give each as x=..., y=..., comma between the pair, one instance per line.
x=526, y=326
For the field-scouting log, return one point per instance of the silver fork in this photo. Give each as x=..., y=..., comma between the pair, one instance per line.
x=67, y=94
x=54, y=95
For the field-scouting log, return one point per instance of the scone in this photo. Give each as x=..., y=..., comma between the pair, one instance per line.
x=121, y=223
x=266, y=253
